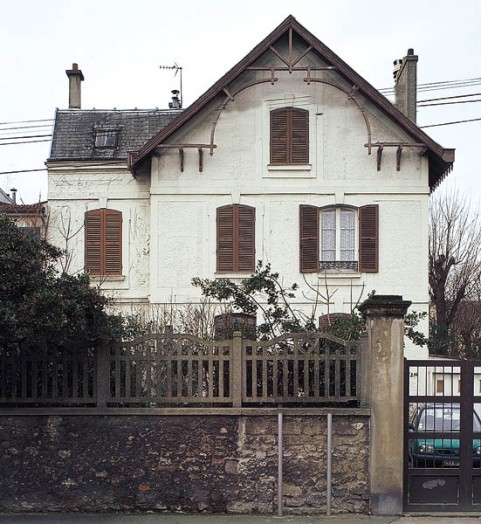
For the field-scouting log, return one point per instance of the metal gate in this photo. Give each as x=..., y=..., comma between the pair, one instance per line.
x=442, y=435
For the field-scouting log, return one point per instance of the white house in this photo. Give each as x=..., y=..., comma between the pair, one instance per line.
x=290, y=158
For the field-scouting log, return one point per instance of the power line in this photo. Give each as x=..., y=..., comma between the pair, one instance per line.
x=26, y=142
x=22, y=171
x=449, y=103
x=26, y=121
x=451, y=123
x=22, y=137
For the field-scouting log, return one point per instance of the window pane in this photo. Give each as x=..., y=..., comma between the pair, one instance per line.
x=328, y=235
x=347, y=235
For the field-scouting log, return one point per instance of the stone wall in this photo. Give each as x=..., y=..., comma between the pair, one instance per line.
x=187, y=463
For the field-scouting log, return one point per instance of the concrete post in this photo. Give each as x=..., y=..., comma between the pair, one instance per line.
x=385, y=325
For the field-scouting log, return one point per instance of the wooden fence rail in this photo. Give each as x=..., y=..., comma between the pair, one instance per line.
x=167, y=370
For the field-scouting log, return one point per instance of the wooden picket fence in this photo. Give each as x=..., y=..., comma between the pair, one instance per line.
x=178, y=371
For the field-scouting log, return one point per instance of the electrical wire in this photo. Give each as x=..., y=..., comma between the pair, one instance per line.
x=453, y=122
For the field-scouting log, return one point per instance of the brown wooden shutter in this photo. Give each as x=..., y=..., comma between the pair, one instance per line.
x=93, y=242
x=279, y=133
x=309, y=239
x=103, y=242
x=299, y=136
x=112, y=242
x=369, y=239
x=235, y=238
x=289, y=136
x=246, y=246
x=225, y=238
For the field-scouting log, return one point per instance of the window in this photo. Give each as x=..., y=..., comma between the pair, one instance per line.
x=440, y=385
x=339, y=238
x=235, y=238
x=103, y=242
x=106, y=138
x=289, y=136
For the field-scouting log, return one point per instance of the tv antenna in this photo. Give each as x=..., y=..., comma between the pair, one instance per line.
x=178, y=69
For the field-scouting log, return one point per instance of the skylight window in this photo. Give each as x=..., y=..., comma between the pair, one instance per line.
x=106, y=138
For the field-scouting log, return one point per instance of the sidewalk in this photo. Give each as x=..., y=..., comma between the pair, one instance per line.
x=72, y=518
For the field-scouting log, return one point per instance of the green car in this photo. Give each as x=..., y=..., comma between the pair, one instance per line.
x=430, y=451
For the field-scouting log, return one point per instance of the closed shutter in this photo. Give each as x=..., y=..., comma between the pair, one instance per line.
x=113, y=242
x=289, y=136
x=369, y=239
x=309, y=239
x=103, y=242
x=246, y=253
x=299, y=136
x=235, y=238
x=93, y=242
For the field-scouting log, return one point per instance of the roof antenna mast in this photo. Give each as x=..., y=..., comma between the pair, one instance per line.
x=178, y=69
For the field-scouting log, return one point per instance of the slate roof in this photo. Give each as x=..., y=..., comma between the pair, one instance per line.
x=74, y=132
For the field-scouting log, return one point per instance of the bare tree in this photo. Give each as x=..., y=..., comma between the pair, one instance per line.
x=454, y=262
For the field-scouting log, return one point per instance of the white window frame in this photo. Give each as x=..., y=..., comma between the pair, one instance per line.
x=339, y=261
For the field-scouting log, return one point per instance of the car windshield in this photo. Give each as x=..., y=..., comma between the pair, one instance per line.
x=444, y=419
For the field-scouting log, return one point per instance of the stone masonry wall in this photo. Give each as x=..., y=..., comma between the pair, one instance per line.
x=180, y=463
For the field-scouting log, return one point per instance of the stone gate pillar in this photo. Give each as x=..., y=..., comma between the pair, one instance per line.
x=385, y=326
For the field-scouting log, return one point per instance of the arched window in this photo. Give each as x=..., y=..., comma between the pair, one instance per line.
x=103, y=242
x=235, y=238
x=289, y=136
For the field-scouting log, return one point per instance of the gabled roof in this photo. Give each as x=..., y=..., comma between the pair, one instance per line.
x=441, y=159
x=74, y=132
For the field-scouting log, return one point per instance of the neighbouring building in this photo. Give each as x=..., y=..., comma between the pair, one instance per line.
x=30, y=218
x=291, y=158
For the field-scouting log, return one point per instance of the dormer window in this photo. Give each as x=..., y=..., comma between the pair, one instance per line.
x=106, y=138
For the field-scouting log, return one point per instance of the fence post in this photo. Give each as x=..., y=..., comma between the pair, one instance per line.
x=236, y=359
x=103, y=376
x=385, y=325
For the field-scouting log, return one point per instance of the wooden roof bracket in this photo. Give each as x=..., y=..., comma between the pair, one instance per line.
x=379, y=156
x=181, y=157
x=399, y=151
x=201, y=166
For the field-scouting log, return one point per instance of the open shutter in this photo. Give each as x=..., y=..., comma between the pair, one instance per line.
x=225, y=238
x=309, y=239
x=93, y=242
x=369, y=239
x=246, y=246
x=113, y=242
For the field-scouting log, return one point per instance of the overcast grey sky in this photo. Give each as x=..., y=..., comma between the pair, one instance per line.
x=120, y=44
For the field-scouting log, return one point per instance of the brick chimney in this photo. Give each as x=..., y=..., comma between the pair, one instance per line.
x=75, y=76
x=405, y=84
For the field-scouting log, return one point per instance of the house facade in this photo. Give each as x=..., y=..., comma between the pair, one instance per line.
x=291, y=158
